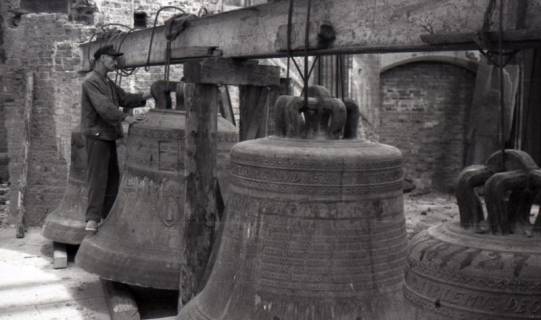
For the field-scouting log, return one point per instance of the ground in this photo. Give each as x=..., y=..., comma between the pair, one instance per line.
x=31, y=289
x=428, y=209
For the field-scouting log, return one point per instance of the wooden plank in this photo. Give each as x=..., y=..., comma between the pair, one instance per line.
x=120, y=301
x=362, y=26
x=224, y=102
x=200, y=209
x=232, y=72
x=60, y=256
x=254, y=109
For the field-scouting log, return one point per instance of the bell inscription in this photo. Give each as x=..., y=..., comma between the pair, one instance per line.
x=486, y=266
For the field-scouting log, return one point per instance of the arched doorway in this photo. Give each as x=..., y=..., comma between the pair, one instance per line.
x=424, y=107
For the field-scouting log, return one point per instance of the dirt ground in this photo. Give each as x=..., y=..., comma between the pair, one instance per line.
x=425, y=210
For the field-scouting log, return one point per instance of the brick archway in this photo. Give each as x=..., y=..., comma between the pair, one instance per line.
x=424, y=107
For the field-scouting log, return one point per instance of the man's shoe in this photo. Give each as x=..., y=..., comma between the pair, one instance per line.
x=91, y=226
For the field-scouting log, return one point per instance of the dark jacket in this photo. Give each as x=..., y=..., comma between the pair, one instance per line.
x=100, y=116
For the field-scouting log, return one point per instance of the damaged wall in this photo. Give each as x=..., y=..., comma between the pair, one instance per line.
x=38, y=44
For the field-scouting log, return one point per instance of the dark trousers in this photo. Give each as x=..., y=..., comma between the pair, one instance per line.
x=103, y=177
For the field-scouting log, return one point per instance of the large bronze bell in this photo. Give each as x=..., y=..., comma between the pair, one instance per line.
x=141, y=241
x=314, y=225
x=487, y=267
x=66, y=224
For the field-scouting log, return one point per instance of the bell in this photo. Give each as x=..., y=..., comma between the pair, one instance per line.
x=66, y=224
x=314, y=227
x=485, y=266
x=141, y=241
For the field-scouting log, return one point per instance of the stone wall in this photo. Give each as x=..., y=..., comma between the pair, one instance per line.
x=424, y=111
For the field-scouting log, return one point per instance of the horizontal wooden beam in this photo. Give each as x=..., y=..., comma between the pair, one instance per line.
x=360, y=26
x=232, y=72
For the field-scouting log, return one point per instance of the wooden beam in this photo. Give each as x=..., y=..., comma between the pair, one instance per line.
x=232, y=72
x=361, y=26
x=224, y=103
x=194, y=52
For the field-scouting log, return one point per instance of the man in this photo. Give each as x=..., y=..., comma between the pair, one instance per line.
x=101, y=125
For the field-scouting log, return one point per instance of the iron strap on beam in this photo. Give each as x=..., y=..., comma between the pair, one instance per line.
x=361, y=26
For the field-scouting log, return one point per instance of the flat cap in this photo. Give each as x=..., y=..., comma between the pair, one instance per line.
x=107, y=50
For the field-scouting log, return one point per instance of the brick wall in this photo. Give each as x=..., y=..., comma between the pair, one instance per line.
x=47, y=44
x=13, y=101
x=121, y=11
x=423, y=113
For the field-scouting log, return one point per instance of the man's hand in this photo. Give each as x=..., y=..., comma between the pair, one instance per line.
x=133, y=119
x=128, y=121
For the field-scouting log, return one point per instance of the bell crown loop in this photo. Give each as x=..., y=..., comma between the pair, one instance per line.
x=511, y=181
x=326, y=118
x=161, y=92
x=322, y=117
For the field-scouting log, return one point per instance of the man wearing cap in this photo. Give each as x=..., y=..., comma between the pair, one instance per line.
x=101, y=124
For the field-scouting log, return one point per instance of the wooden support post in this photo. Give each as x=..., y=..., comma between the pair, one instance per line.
x=201, y=102
x=120, y=301
x=60, y=256
x=254, y=110
x=201, y=206
x=257, y=109
x=274, y=93
x=230, y=71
